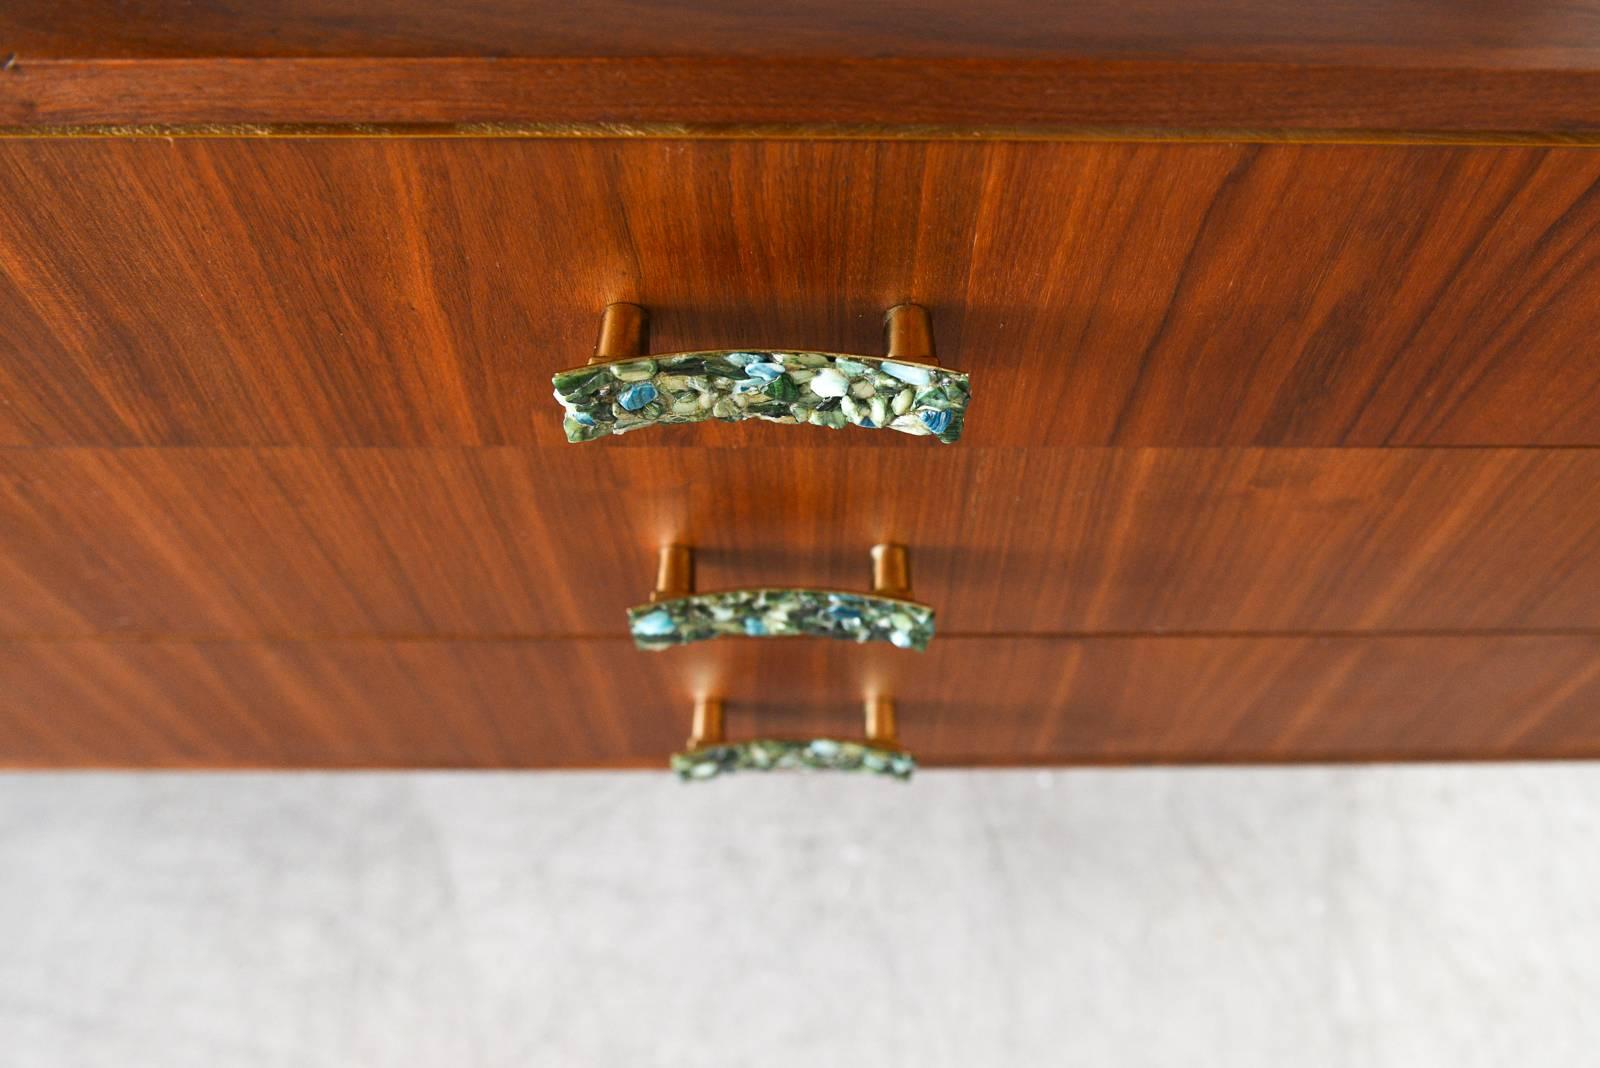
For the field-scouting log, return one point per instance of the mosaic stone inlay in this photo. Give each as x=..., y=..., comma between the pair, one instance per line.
x=819, y=388
x=818, y=754
x=781, y=613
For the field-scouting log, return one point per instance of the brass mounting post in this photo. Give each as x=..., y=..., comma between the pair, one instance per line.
x=708, y=723
x=880, y=722
x=891, y=571
x=908, y=334
x=674, y=573
x=622, y=333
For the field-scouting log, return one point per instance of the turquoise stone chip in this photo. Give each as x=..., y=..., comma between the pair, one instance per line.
x=637, y=396
x=655, y=624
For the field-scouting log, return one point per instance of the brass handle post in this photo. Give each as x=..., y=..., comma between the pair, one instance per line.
x=891, y=571
x=908, y=334
x=708, y=723
x=674, y=573
x=880, y=722
x=622, y=333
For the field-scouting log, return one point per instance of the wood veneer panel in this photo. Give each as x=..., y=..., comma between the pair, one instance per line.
x=577, y=704
x=1505, y=34
x=1242, y=64
x=557, y=542
x=993, y=97
x=371, y=292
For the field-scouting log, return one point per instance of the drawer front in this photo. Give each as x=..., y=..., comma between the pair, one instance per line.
x=1275, y=451
x=505, y=542
x=976, y=700
x=348, y=291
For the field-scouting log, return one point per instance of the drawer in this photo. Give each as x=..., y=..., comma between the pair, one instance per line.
x=973, y=700
x=420, y=291
x=508, y=542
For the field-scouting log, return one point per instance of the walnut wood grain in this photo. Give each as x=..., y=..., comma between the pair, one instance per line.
x=1499, y=33
x=558, y=542
x=1007, y=701
x=971, y=97
x=383, y=292
x=1368, y=64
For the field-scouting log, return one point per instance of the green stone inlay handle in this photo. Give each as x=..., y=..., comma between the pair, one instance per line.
x=781, y=613
x=771, y=754
x=709, y=755
x=622, y=390
x=676, y=615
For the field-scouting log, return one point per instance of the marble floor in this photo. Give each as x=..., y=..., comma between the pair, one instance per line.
x=1343, y=917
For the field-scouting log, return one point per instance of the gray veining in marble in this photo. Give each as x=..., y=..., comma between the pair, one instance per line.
x=1314, y=917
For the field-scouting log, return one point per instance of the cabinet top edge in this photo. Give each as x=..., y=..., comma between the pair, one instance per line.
x=534, y=131
x=1503, y=33
x=1148, y=98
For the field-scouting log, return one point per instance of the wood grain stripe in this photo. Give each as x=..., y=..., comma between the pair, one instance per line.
x=369, y=292
x=1006, y=701
x=207, y=543
x=959, y=92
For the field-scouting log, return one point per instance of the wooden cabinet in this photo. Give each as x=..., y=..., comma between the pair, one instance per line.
x=1286, y=387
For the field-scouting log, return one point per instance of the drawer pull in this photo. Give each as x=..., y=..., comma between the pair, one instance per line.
x=708, y=754
x=676, y=615
x=623, y=389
